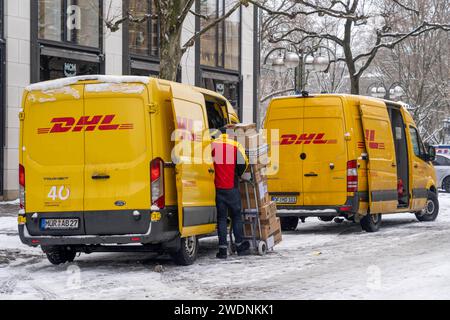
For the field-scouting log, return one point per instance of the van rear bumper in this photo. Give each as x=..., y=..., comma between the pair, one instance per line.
x=351, y=206
x=157, y=232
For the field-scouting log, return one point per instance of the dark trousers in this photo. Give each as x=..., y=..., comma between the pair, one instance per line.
x=229, y=200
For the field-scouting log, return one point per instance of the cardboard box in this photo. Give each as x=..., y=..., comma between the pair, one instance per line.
x=267, y=230
x=262, y=195
x=243, y=126
x=260, y=174
x=269, y=220
x=278, y=237
x=268, y=211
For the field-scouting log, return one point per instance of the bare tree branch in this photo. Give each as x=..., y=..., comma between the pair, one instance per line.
x=212, y=24
x=399, y=3
x=186, y=10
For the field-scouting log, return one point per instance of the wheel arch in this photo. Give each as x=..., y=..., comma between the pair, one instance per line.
x=432, y=188
x=443, y=179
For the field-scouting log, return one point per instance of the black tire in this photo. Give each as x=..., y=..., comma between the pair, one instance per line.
x=288, y=223
x=371, y=222
x=446, y=184
x=58, y=254
x=187, y=253
x=431, y=210
x=326, y=219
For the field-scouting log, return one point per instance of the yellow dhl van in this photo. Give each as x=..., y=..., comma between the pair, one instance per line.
x=96, y=171
x=350, y=156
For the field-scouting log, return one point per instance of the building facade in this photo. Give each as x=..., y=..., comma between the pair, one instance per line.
x=48, y=39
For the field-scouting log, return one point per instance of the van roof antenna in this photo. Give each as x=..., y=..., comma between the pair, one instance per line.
x=305, y=93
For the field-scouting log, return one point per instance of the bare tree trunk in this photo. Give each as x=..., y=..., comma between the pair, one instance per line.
x=347, y=46
x=354, y=85
x=170, y=37
x=170, y=54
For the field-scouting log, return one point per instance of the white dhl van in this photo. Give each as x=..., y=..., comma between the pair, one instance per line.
x=96, y=172
x=350, y=156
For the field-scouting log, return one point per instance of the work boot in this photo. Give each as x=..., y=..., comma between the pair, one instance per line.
x=243, y=249
x=222, y=254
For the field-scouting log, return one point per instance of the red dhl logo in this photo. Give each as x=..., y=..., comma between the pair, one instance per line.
x=85, y=123
x=370, y=138
x=305, y=138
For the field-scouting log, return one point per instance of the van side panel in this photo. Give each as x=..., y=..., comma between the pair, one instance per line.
x=162, y=128
x=52, y=155
x=422, y=175
x=379, y=143
x=356, y=151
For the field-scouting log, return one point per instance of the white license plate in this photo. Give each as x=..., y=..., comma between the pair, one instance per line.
x=284, y=199
x=59, y=224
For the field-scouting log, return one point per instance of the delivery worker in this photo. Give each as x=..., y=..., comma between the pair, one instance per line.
x=230, y=162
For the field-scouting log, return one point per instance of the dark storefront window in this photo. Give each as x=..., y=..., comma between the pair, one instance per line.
x=143, y=37
x=68, y=38
x=229, y=88
x=220, y=49
x=75, y=21
x=58, y=67
x=82, y=27
x=141, y=56
x=220, y=46
x=50, y=13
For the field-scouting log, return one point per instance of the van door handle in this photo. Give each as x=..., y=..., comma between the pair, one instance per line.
x=100, y=177
x=393, y=165
x=311, y=175
x=416, y=165
x=210, y=170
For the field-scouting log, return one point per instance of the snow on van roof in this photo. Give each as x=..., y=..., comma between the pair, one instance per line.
x=60, y=83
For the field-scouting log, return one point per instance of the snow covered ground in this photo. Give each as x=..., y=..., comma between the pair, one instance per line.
x=406, y=259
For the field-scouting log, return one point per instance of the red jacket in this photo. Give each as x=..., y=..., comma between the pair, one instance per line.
x=230, y=162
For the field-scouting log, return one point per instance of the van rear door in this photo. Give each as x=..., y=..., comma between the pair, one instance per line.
x=53, y=158
x=194, y=169
x=381, y=171
x=116, y=130
x=325, y=152
x=285, y=125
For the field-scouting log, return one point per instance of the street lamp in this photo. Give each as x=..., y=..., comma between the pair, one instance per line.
x=379, y=90
x=291, y=59
x=278, y=65
x=299, y=60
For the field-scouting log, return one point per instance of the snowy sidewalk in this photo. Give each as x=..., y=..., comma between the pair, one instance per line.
x=406, y=259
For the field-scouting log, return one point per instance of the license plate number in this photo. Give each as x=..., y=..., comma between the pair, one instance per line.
x=59, y=224
x=284, y=199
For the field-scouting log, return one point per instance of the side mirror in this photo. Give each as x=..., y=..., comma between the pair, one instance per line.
x=431, y=154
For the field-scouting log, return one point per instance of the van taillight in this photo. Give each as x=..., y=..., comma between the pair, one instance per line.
x=157, y=182
x=352, y=176
x=21, y=187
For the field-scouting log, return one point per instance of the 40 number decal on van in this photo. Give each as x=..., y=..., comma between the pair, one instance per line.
x=84, y=123
x=305, y=138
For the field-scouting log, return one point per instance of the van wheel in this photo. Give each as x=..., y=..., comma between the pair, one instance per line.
x=326, y=219
x=59, y=254
x=288, y=223
x=371, y=222
x=431, y=210
x=188, y=251
x=446, y=185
